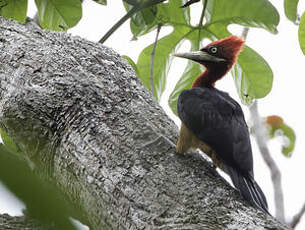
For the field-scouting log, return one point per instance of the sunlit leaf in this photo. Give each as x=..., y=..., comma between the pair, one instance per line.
x=277, y=127
x=252, y=75
x=143, y=21
x=165, y=47
x=249, y=13
x=167, y=13
x=291, y=11
x=302, y=33
x=58, y=15
x=146, y=20
x=14, y=9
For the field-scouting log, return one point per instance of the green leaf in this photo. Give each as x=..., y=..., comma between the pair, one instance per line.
x=143, y=21
x=167, y=13
x=302, y=33
x=291, y=9
x=191, y=71
x=249, y=13
x=132, y=63
x=146, y=20
x=58, y=15
x=164, y=48
x=8, y=142
x=14, y=9
x=102, y=2
x=43, y=200
x=277, y=127
x=252, y=75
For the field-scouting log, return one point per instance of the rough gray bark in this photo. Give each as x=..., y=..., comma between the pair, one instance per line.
x=18, y=222
x=82, y=117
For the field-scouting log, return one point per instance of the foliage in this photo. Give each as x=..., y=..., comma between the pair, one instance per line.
x=8, y=142
x=144, y=21
x=302, y=33
x=277, y=127
x=291, y=12
x=14, y=9
x=43, y=201
x=251, y=72
x=57, y=14
x=290, y=7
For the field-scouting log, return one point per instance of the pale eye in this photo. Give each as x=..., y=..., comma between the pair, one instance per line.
x=213, y=49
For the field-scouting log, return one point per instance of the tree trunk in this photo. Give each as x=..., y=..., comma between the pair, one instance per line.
x=19, y=222
x=82, y=117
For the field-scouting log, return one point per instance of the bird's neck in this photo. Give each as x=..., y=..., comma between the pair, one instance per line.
x=209, y=77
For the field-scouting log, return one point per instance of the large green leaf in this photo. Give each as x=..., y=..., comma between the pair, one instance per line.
x=146, y=20
x=302, y=33
x=291, y=9
x=58, y=15
x=249, y=13
x=164, y=48
x=252, y=75
x=14, y=9
x=168, y=14
x=143, y=21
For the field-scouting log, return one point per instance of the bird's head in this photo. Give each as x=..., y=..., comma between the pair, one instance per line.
x=223, y=53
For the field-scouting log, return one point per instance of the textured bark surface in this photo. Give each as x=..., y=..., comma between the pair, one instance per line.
x=82, y=117
x=18, y=222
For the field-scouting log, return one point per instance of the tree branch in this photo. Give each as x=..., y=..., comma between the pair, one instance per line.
x=79, y=113
x=153, y=59
x=202, y=17
x=119, y=23
x=129, y=14
x=260, y=134
x=245, y=33
x=296, y=219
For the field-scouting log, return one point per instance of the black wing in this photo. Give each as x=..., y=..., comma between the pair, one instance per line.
x=217, y=119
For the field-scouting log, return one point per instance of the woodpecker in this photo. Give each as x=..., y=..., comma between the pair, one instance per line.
x=214, y=122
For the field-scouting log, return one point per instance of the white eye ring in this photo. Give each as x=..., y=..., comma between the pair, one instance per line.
x=213, y=49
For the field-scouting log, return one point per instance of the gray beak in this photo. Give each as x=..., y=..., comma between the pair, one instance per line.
x=199, y=56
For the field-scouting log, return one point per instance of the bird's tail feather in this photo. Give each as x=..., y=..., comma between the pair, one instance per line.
x=249, y=189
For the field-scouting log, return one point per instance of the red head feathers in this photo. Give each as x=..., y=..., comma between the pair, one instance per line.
x=228, y=48
x=218, y=57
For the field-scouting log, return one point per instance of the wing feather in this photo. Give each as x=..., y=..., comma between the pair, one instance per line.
x=217, y=119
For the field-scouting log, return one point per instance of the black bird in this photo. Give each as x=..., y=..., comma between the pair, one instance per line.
x=214, y=122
